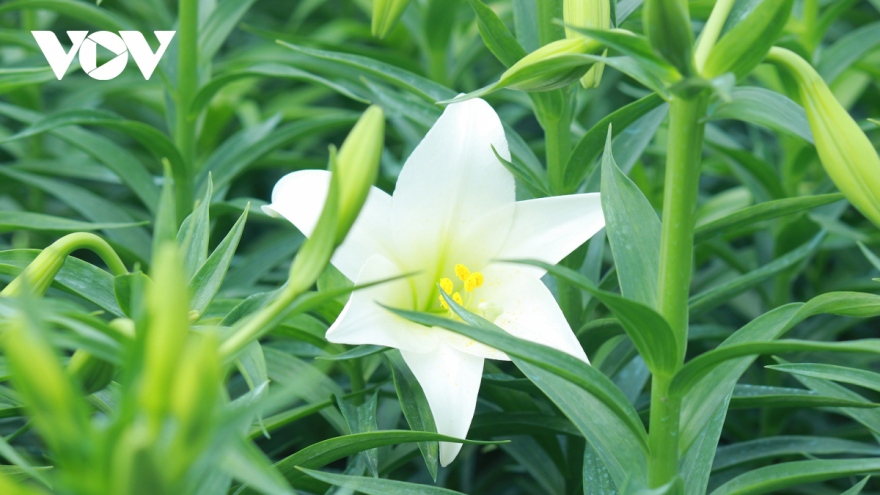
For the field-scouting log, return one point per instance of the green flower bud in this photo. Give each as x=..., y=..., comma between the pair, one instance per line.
x=667, y=25
x=91, y=373
x=357, y=165
x=386, y=13
x=552, y=66
x=845, y=151
x=593, y=14
x=747, y=43
x=163, y=341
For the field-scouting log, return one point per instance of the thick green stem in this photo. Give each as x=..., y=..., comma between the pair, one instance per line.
x=663, y=440
x=685, y=141
x=683, y=154
x=557, y=132
x=187, y=84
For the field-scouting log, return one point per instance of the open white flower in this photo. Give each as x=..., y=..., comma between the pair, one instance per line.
x=452, y=215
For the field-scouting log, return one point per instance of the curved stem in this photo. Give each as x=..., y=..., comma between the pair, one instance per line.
x=38, y=276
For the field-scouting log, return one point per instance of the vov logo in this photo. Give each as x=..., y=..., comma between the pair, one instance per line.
x=123, y=44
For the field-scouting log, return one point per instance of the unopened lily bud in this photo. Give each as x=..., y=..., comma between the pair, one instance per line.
x=194, y=397
x=552, y=66
x=386, y=13
x=747, y=43
x=667, y=24
x=357, y=165
x=845, y=151
x=91, y=373
x=593, y=14
x=163, y=341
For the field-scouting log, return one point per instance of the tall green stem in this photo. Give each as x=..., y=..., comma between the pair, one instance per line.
x=685, y=142
x=557, y=133
x=711, y=31
x=187, y=84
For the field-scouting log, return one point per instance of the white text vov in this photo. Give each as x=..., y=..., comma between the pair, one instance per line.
x=122, y=44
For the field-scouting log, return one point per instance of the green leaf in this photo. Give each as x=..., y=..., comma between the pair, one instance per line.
x=194, y=235
x=12, y=79
x=648, y=330
x=267, y=70
x=150, y=137
x=762, y=396
x=116, y=158
x=128, y=289
x=769, y=210
x=744, y=46
x=780, y=476
x=597, y=479
x=633, y=231
x=249, y=145
x=362, y=419
x=373, y=486
x=355, y=353
x=583, y=156
x=696, y=464
x=842, y=374
x=847, y=50
x=857, y=489
x=90, y=206
x=767, y=108
x=715, y=296
x=207, y=281
x=698, y=367
x=496, y=36
x=248, y=464
x=773, y=447
x=418, y=85
x=870, y=256
x=218, y=26
x=415, y=408
x=584, y=394
x=25, y=220
x=322, y=453
x=82, y=11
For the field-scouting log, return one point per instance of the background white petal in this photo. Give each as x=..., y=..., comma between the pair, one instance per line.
x=364, y=321
x=299, y=197
x=451, y=381
x=445, y=206
x=528, y=309
x=548, y=229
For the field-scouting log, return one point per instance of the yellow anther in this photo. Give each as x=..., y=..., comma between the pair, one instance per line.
x=478, y=278
x=462, y=272
x=443, y=302
x=457, y=298
x=446, y=285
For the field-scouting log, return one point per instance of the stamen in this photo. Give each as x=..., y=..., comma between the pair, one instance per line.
x=462, y=272
x=446, y=285
x=475, y=280
x=457, y=298
x=443, y=302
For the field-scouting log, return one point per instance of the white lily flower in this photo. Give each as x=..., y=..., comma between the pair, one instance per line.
x=452, y=215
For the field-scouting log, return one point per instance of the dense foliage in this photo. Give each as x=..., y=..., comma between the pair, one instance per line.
x=163, y=340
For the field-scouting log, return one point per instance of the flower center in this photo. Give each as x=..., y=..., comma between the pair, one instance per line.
x=468, y=282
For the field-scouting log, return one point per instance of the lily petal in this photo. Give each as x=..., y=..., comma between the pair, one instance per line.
x=299, y=197
x=548, y=229
x=365, y=321
x=528, y=309
x=451, y=381
x=446, y=203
